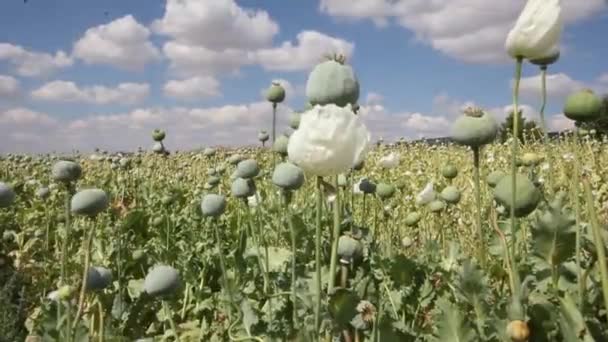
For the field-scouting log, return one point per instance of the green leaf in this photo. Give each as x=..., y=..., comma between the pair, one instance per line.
x=554, y=234
x=451, y=326
x=572, y=323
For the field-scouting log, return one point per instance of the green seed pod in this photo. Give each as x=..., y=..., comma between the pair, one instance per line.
x=213, y=205
x=161, y=281
x=65, y=292
x=494, y=177
x=583, y=106
x=213, y=180
x=280, y=145
x=449, y=171
x=98, y=278
x=582, y=132
x=89, y=202
x=412, y=219
x=158, y=135
x=247, y=169
x=332, y=82
x=235, y=159
x=547, y=60
x=451, y=194
x=276, y=93
x=349, y=249
x=288, y=176
x=242, y=188
x=43, y=193
x=208, y=152
x=66, y=171
x=263, y=136
x=7, y=195
x=167, y=199
x=294, y=120
x=527, y=195
x=385, y=191
x=531, y=159
x=407, y=242
x=475, y=128
x=436, y=206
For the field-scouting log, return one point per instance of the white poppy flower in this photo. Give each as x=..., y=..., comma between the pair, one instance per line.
x=427, y=195
x=329, y=141
x=391, y=161
x=537, y=30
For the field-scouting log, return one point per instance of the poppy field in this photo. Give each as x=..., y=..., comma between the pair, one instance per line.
x=321, y=233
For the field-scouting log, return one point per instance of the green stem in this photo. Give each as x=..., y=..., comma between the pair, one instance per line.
x=223, y=266
x=318, y=256
x=598, y=241
x=543, y=76
x=336, y=237
x=481, y=252
x=85, y=272
x=515, y=145
x=169, y=314
x=292, y=229
x=274, y=122
x=577, y=209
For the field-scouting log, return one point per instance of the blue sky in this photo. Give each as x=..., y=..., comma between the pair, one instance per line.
x=82, y=74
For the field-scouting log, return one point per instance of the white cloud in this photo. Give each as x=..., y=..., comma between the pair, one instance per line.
x=310, y=49
x=32, y=64
x=603, y=78
x=214, y=37
x=65, y=91
x=230, y=125
x=559, y=122
x=192, y=88
x=217, y=25
x=470, y=30
x=122, y=43
x=187, y=60
x=559, y=85
x=9, y=86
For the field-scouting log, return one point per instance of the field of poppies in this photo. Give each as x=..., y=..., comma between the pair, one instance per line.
x=319, y=234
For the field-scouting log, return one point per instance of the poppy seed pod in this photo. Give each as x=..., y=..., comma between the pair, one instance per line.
x=412, y=219
x=288, y=176
x=280, y=145
x=213, y=205
x=349, y=249
x=527, y=195
x=7, y=195
x=294, y=120
x=451, y=194
x=583, y=106
x=213, y=180
x=208, y=152
x=475, y=128
x=385, y=191
x=161, y=281
x=551, y=57
x=518, y=331
x=263, y=136
x=43, y=192
x=332, y=82
x=247, y=169
x=158, y=135
x=449, y=171
x=235, y=159
x=494, y=177
x=98, y=278
x=242, y=188
x=66, y=171
x=436, y=206
x=89, y=202
x=275, y=93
